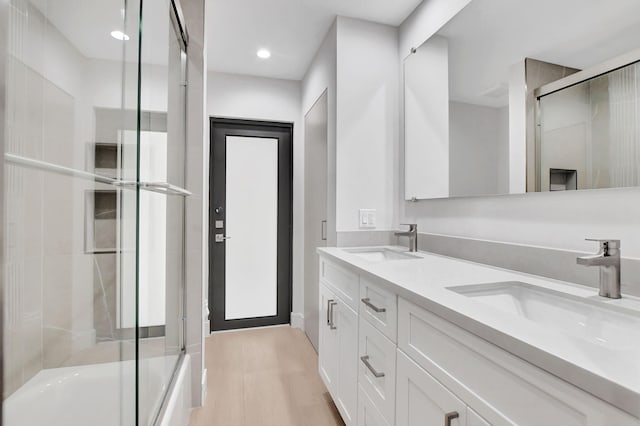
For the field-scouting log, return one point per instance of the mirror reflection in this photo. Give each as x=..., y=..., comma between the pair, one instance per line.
x=589, y=133
x=476, y=135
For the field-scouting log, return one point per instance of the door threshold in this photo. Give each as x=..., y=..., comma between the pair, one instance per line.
x=249, y=328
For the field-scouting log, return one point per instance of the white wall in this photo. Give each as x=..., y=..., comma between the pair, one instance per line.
x=367, y=122
x=517, y=128
x=239, y=96
x=425, y=21
x=557, y=220
x=477, y=162
x=320, y=77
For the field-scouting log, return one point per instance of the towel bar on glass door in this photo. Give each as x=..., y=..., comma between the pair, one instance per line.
x=165, y=188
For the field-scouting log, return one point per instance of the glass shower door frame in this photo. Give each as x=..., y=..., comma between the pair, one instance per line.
x=167, y=189
x=4, y=24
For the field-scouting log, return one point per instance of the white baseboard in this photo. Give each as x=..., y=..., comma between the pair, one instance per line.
x=297, y=320
x=204, y=385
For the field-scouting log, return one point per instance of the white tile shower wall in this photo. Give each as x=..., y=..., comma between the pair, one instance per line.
x=48, y=119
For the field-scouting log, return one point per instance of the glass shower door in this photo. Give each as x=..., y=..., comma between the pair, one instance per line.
x=69, y=216
x=161, y=205
x=93, y=211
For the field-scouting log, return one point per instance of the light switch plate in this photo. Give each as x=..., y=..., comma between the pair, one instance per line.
x=367, y=219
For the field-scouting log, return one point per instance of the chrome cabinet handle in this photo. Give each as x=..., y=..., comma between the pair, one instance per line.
x=448, y=417
x=365, y=361
x=323, y=230
x=367, y=302
x=329, y=302
x=332, y=325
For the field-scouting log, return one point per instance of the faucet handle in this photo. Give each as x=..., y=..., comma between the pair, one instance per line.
x=410, y=225
x=606, y=245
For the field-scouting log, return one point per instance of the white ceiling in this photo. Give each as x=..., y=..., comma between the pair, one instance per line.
x=87, y=24
x=291, y=29
x=490, y=35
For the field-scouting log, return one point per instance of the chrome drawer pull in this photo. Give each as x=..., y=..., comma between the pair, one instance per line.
x=332, y=325
x=329, y=302
x=450, y=416
x=367, y=302
x=365, y=361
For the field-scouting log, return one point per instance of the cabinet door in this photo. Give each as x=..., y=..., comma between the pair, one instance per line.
x=346, y=323
x=327, y=340
x=422, y=400
x=474, y=419
x=368, y=414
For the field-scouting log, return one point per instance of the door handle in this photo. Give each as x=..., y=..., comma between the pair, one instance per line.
x=221, y=238
x=332, y=325
x=323, y=230
x=365, y=361
x=448, y=417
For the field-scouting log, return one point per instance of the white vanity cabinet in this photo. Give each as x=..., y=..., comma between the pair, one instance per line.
x=338, y=337
x=500, y=388
x=388, y=361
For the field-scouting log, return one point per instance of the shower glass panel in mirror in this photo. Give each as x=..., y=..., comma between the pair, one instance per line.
x=93, y=210
x=475, y=135
x=588, y=133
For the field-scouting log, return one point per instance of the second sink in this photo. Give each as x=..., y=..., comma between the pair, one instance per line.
x=380, y=254
x=586, y=318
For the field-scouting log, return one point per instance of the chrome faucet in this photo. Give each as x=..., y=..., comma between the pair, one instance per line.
x=608, y=259
x=412, y=233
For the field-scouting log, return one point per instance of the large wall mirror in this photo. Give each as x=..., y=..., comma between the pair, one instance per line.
x=522, y=95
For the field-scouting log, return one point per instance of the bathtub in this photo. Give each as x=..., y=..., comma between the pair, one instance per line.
x=96, y=394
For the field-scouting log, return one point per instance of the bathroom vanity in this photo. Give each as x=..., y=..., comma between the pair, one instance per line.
x=422, y=339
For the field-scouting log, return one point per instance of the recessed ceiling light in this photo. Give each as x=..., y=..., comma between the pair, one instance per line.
x=119, y=35
x=264, y=54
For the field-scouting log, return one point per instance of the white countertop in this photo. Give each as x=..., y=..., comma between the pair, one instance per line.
x=610, y=374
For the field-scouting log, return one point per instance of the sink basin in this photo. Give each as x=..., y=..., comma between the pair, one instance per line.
x=380, y=254
x=593, y=319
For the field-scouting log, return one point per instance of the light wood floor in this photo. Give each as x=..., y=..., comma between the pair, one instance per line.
x=264, y=377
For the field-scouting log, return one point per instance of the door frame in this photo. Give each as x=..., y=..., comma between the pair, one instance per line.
x=220, y=127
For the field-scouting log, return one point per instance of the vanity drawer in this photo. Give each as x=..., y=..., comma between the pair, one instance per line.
x=380, y=307
x=377, y=369
x=343, y=281
x=368, y=414
x=500, y=387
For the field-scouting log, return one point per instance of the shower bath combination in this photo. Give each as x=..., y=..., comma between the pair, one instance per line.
x=93, y=209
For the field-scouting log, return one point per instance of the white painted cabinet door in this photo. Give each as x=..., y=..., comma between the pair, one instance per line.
x=368, y=414
x=474, y=419
x=346, y=398
x=328, y=340
x=422, y=400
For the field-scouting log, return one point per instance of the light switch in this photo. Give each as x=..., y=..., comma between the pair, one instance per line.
x=367, y=218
